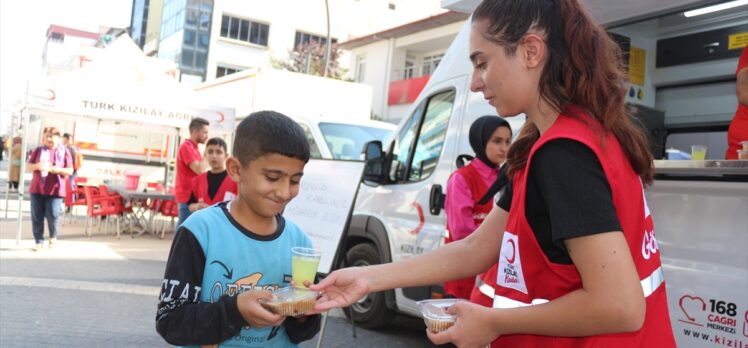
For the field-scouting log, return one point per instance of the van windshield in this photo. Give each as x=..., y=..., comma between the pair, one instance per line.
x=346, y=141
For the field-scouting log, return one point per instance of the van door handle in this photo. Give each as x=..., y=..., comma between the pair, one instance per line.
x=436, y=200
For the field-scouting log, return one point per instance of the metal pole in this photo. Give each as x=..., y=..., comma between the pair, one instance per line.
x=10, y=161
x=327, y=46
x=322, y=330
x=21, y=182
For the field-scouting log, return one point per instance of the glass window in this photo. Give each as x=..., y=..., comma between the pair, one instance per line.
x=192, y=15
x=313, y=148
x=203, y=40
x=360, y=68
x=225, y=26
x=234, y=28
x=401, y=147
x=346, y=141
x=244, y=31
x=189, y=37
x=431, y=137
x=430, y=63
x=255, y=33
x=264, y=33
x=200, y=59
x=304, y=38
x=188, y=57
x=205, y=20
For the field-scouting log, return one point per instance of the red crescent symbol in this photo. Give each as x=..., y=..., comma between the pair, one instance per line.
x=221, y=117
x=420, y=218
x=514, y=251
x=53, y=95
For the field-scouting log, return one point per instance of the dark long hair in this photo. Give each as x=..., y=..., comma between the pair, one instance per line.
x=583, y=69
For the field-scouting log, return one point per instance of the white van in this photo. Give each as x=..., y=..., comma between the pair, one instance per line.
x=698, y=206
x=342, y=139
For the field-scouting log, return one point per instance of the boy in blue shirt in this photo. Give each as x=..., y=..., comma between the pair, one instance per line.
x=228, y=256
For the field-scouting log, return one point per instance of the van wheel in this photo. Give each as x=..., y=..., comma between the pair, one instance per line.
x=370, y=312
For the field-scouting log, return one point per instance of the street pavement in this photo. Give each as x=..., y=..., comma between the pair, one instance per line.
x=102, y=291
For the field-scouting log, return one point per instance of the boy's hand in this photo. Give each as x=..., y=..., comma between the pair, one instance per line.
x=254, y=313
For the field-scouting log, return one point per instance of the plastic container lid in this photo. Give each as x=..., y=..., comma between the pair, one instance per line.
x=435, y=314
x=291, y=301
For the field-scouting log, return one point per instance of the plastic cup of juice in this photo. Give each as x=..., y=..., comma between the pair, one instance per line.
x=698, y=152
x=304, y=263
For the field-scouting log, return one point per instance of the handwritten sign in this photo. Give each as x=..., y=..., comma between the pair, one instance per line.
x=324, y=202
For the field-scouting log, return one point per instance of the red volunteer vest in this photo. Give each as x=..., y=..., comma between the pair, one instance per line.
x=526, y=276
x=461, y=288
x=200, y=189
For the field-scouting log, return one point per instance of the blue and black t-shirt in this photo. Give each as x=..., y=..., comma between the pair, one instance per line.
x=213, y=259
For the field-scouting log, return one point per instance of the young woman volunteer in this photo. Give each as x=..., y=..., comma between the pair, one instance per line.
x=579, y=264
x=466, y=205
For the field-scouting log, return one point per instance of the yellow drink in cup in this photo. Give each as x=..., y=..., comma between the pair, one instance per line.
x=698, y=152
x=304, y=263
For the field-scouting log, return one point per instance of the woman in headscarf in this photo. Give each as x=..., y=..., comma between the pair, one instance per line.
x=490, y=137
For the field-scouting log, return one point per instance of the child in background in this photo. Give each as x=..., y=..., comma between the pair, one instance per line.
x=227, y=257
x=214, y=185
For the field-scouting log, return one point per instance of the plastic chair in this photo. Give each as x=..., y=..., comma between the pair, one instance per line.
x=169, y=209
x=73, y=197
x=102, y=206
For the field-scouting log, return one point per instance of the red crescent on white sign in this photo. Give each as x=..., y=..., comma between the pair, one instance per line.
x=514, y=252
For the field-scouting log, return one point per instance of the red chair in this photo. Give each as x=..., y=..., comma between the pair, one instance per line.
x=73, y=198
x=100, y=205
x=169, y=209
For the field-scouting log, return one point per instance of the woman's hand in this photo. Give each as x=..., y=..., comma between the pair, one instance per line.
x=474, y=326
x=254, y=313
x=342, y=288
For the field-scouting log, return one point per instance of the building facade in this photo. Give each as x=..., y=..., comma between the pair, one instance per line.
x=61, y=51
x=212, y=38
x=397, y=62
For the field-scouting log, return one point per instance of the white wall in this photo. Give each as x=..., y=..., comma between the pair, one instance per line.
x=60, y=56
x=376, y=73
x=348, y=19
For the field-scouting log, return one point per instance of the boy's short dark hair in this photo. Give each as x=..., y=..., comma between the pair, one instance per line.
x=66, y=136
x=217, y=141
x=198, y=123
x=268, y=132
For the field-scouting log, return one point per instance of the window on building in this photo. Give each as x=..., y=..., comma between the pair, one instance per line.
x=224, y=70
x=188, y=57
x=409, y=70
x=360, y=67
x=57, y=37
x=244, y=30
x=430, y=63
x=305, y=38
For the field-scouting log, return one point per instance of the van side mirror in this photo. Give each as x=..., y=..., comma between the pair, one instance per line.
x=373, y=162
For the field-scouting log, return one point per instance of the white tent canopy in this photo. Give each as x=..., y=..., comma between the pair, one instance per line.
x=121, y=84
x=124, y=84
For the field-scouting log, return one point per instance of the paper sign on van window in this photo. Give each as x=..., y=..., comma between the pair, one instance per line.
x=637, y=63
x=737, y=41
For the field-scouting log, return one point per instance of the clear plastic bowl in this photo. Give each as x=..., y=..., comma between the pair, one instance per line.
x=435, y=315
x=291, y=301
